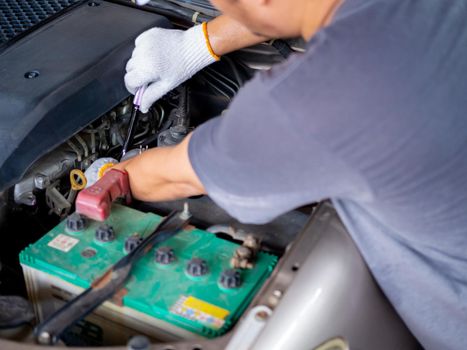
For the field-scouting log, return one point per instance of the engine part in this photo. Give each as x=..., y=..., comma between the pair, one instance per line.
x=178, y=11
x=245, y=255
x=15, y=311
x=132, y=153
x=38, y=114
x=202, y=6
x=97, y=169
x=57, y=203
x=78, y=182
x=43, y=174
x=179, y=121
x=160, y=302
x=173, y=136
x=18, y=18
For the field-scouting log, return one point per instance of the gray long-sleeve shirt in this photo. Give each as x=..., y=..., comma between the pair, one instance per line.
x=373, y=116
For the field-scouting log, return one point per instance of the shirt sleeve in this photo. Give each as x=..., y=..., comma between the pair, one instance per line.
x=254, y=164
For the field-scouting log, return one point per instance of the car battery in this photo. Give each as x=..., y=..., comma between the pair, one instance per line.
x=184, y=288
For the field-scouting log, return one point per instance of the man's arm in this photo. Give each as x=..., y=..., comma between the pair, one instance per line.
x=165, y=58
x=165, y=173
x=162, y=173
x=227, y=35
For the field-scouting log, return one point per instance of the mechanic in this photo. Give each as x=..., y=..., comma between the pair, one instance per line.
x=372, y=116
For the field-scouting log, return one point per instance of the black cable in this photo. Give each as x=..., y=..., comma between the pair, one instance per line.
x=131, y=131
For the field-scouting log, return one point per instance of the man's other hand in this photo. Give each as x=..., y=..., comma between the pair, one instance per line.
x=165, y=58
x=162, y=173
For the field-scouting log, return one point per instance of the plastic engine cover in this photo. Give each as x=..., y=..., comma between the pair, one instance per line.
x=61, y=76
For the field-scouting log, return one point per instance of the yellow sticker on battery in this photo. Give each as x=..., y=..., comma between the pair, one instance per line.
x=199, y=310
x=213, y=310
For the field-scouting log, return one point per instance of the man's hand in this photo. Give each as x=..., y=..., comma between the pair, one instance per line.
x=162, y=173
x=165, y=58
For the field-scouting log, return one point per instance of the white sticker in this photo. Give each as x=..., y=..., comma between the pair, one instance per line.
x=63, y=242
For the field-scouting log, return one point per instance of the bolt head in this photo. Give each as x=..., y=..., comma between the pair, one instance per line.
x=277, y=293
x=261, y=315
x=32, y=74
x=139, y=342
x=44, y=338
x=41, y=181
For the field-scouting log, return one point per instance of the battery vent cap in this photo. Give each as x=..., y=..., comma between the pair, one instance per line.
x=75, y=222
x=105, y=233
x=165, y=255
x=230, y=278
x=197, y=267
x=132, y=242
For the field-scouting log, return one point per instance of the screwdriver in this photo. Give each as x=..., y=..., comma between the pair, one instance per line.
x=134, y=113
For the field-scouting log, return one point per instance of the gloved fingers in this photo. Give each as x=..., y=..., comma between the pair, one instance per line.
x=136, y=78
x=148, y=37
x=153, y=93
x=131, y=65
x=129, y=85
x=140, y=57
x=142, y=37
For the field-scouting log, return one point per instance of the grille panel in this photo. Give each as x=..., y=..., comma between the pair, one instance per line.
x=17, y=16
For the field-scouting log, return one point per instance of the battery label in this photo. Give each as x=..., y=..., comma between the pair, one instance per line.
x=63, y=242
x=198, y=310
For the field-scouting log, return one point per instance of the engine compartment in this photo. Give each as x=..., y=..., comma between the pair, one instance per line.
x=43, y=195
x=65, y=108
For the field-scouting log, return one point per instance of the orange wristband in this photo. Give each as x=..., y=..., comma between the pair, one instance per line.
x=208, y=44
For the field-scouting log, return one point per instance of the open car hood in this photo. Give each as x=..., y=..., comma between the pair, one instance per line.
x=60, y=75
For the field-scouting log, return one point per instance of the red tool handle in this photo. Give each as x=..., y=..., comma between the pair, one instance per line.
x=96, y=200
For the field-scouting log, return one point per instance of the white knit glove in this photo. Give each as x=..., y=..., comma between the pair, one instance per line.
x=165, y=58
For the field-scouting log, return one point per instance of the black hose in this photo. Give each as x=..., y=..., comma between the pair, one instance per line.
x=169, y=10
x=183, y=107
x=178, y=11
x=130, y=132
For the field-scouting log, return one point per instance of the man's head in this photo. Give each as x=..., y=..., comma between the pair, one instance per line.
x=280, y=18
